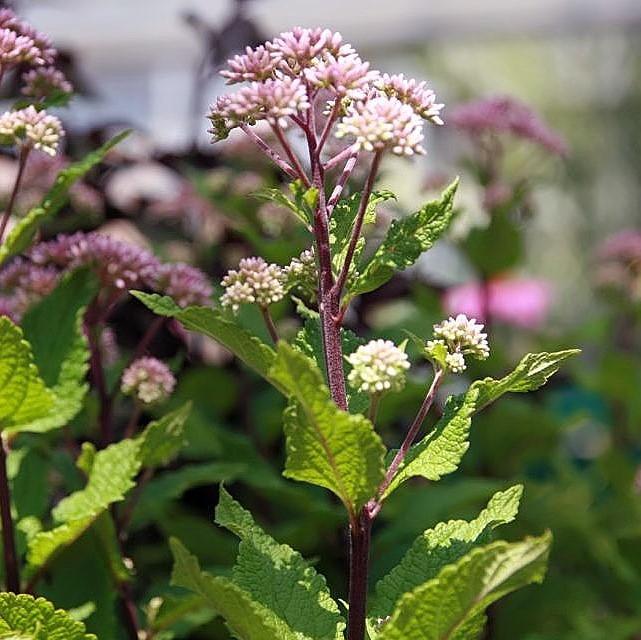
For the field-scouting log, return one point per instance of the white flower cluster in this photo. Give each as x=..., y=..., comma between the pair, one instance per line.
x=378, y=366
x=254, y=282
x=31, y=127
x=301, y=273
x=457, y=338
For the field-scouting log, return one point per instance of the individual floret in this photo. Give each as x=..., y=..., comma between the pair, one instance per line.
x=378, y=366
x=254, y=282
x=148, y=380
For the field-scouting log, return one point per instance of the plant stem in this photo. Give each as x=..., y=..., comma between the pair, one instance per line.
x=359, y=544
x=269, y=323
x=22, y=161
x=342, y=181
x=11, y=568
x=130, y=614
x=375, y=506
x=290, y=154
x=374, y=403
x=130, y=429
x=269, y=152
x=148, y=336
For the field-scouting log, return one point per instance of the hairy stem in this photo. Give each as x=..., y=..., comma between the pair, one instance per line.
x=269, y=323
x=342, y=181
x=22, y=161
x=11, y=567
x=269, y=152
x=375, y=506
x=359, y=545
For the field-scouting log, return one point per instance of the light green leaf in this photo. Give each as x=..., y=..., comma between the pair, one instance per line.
x=277, y=577
x=440, y=546
x=443, y=607
x=22, y=234
x=23, y=395
x=405, y=241
x=532, y=372
x=23, y=617
x=301, y=204
x=326, y=446
x=246, y=618
x=162, y=439
x=210, y=322
x=442, y=449
x=62, y=356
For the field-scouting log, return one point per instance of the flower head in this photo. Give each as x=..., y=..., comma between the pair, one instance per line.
x=383, y=123
x=254, y=282
x=253, y=65
x=31, y=127
x=301, y=274
x=456, y=338
x=149, y=380
x=378, y=366
x=23, y=283
x=15, y=49
x=504, y=115
x=20, y=42
x=344, y=75
x=45, y=81
x=184, y=283
x=415, y=94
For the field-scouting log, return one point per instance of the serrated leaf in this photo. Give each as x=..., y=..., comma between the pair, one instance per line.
x=326, y=446
x=440, y=546
x=23, y=395
x=249, y=348
x=453, y=601
x=22, y=234
x=23, y=617
x=277, y=577
x=532, y=372
x=62, y=356
x=442, y=449
x=405, y=241
x=246, y=619
x=45, y=544
x=162, y=439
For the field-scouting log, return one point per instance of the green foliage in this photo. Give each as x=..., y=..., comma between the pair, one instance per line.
x=532, y=372
x=455, y=599
x=23, y=395
x=441, y=451
x=440, y=546
x=23, y=617
x=326, y=446
x=22, y=234
x=405, y=241
x=302, y=202
x=163, y=439
x=210, y=322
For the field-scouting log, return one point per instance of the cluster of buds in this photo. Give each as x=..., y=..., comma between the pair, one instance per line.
x=42, y=82
x=31, y=128
x=377, y=367
x=22, y=284
x=20, y=43
x=456, y=338
x=254, y=282
x=377, y=112
x=301, y=274
x=148, y=380
x=184, y=283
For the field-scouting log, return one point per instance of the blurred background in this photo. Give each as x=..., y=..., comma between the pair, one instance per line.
x=546, y=249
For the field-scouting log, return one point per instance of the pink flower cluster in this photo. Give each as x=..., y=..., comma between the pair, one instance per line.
x=21, y=43
x=42, y=82
x=515, y=301
x=22, y=284
x=149, y=380
x=289, y=73
x=504, y=115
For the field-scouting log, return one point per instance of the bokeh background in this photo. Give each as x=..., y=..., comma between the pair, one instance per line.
x=565, y=268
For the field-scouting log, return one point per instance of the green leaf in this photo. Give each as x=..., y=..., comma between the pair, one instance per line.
x=162, y=439
x=210, y=322
x=532, y=372
x=440, y=546
x=111, y=477
x=246, y=618
x=301, y=204
x=326, y=446
x=405, y=241
x=23, y=617
x=22, y=234
x=23, y=395
x=442, y=449
x=62, y=356
x=453, y=601
x=277, y=577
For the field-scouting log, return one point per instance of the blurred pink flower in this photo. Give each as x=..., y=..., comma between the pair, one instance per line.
x=522, y=302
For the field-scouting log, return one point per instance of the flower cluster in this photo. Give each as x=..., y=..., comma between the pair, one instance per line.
x=619, y=264
x=288, y=73
x=254, y=282
x=23, y=283
x=378, y=366
x=21, y=43
x=301, y=274
x=184, y=283
x=456, y=338
x=43, y=82
x=148, y=380
x=504, y=115
x=33, y=128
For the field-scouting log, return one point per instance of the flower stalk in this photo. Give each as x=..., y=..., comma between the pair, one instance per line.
x=11, y=566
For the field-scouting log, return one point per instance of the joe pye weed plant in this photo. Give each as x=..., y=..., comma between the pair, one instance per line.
x=315, y=94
